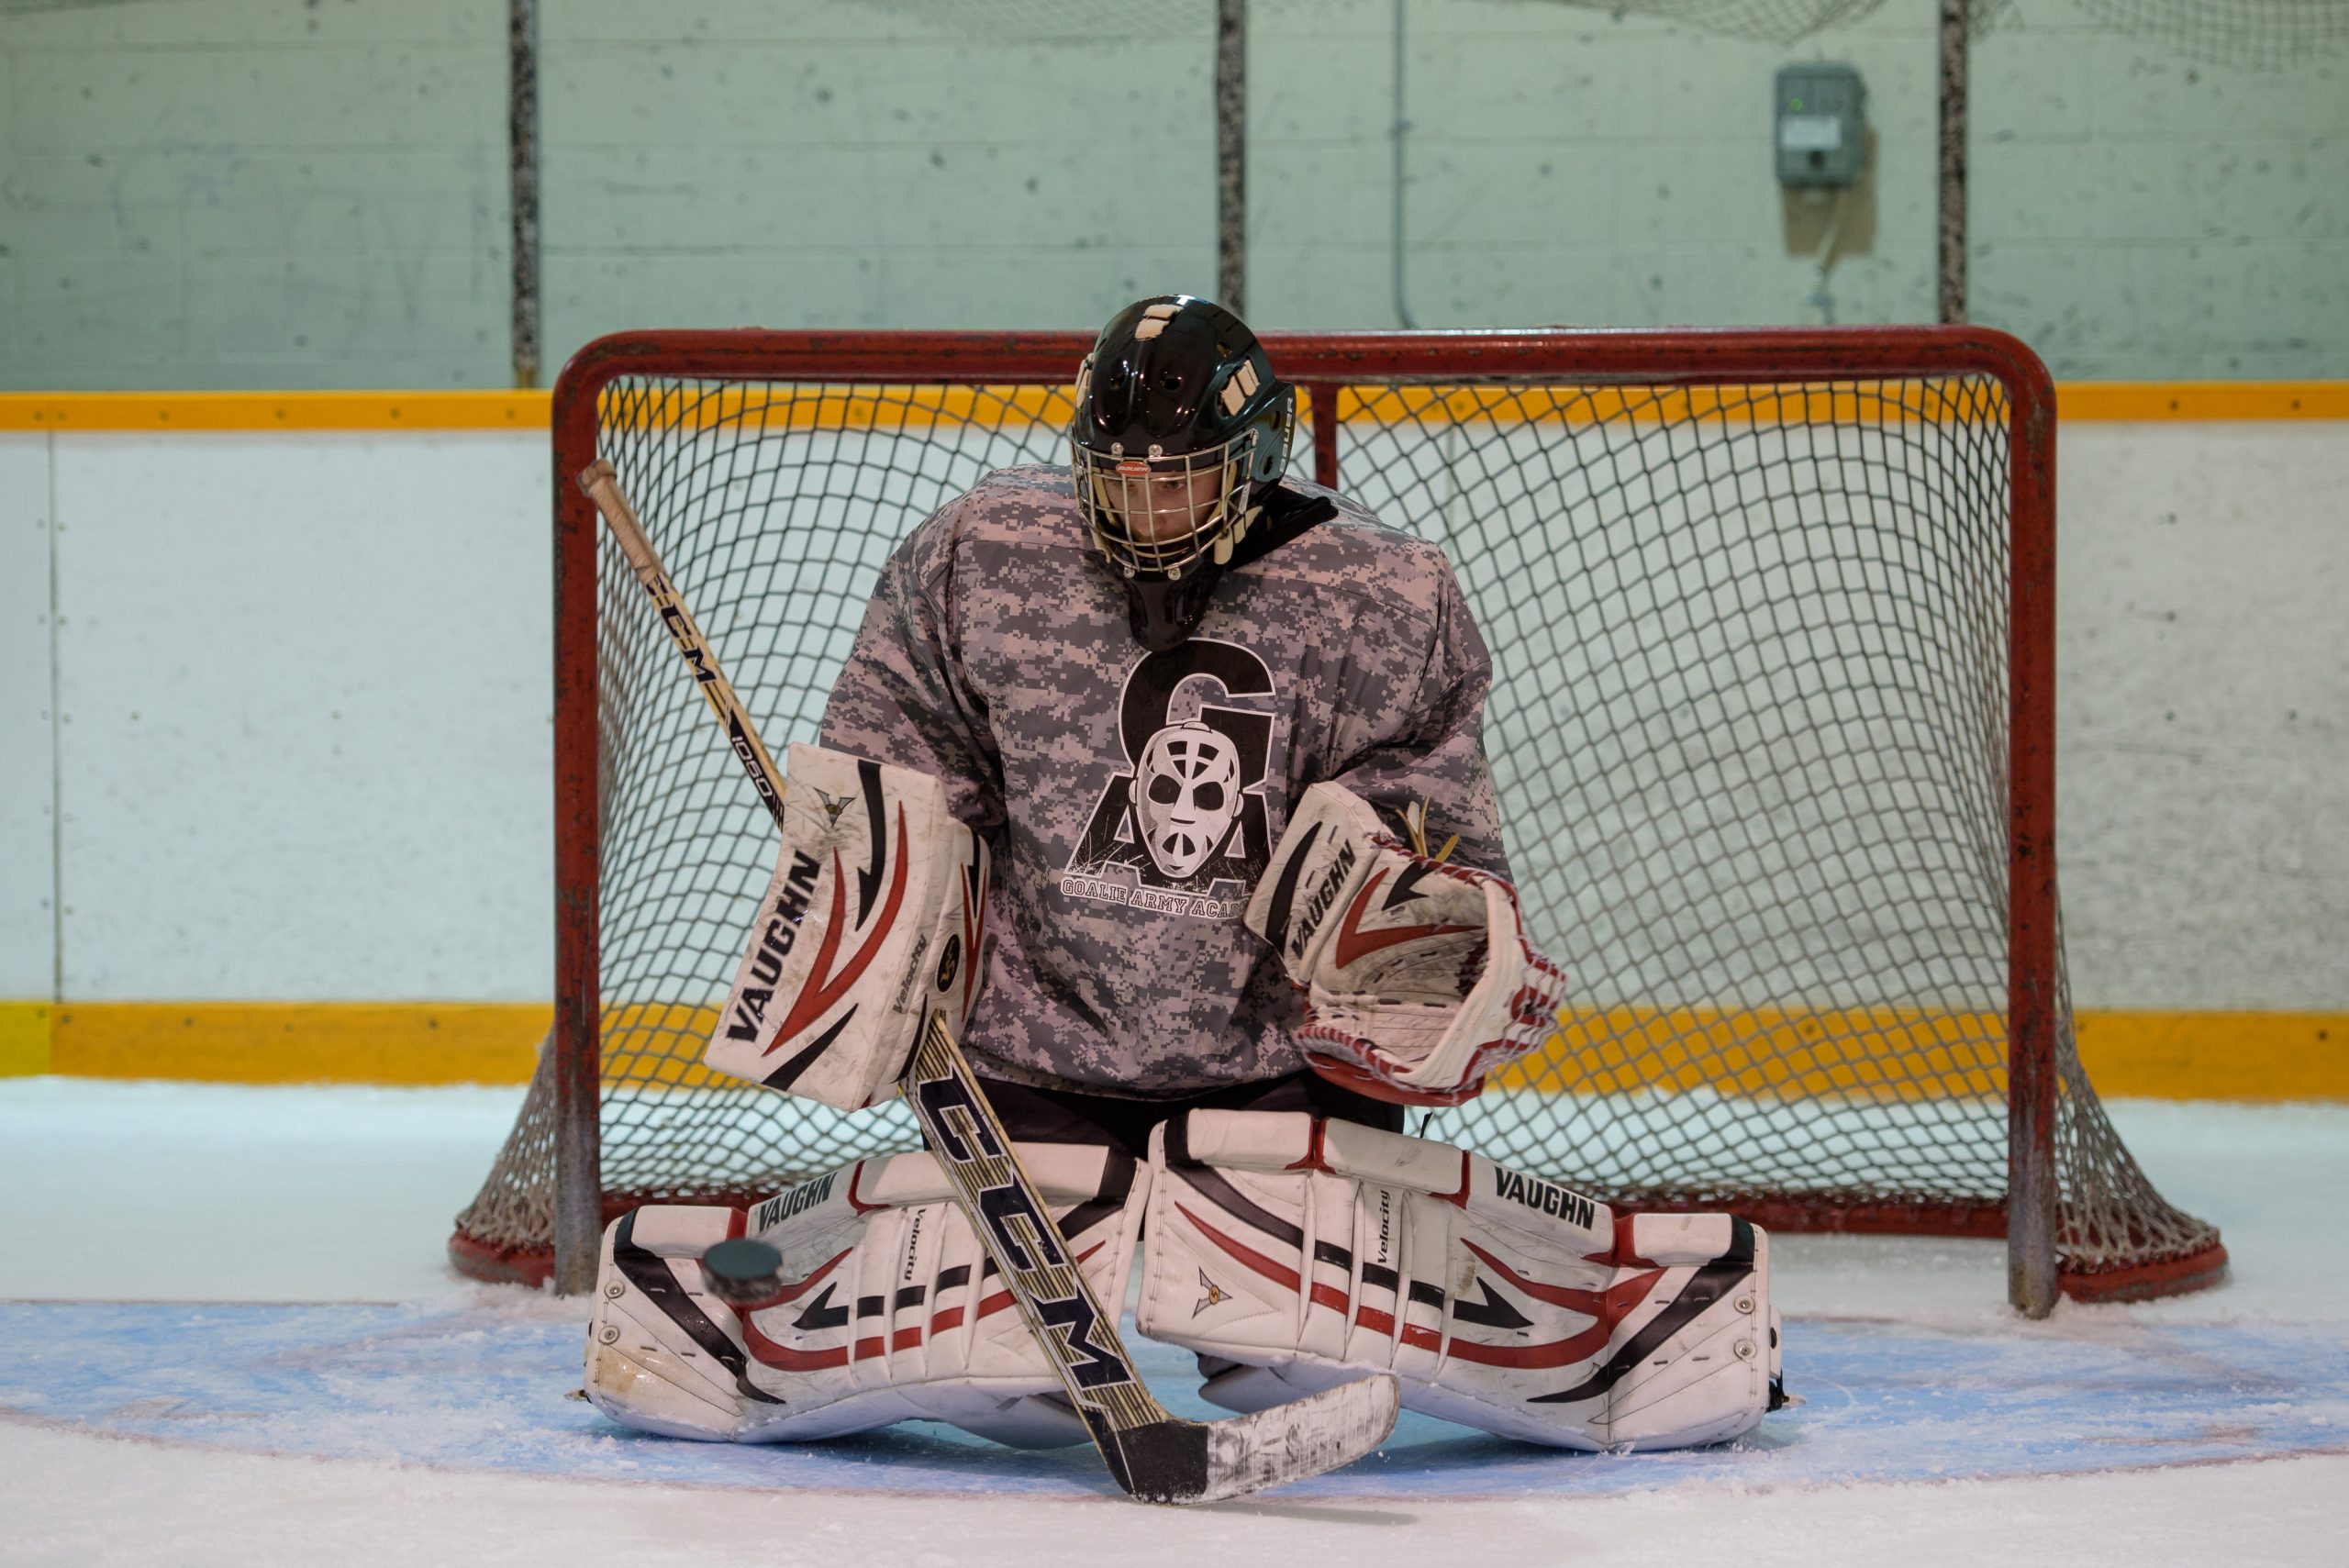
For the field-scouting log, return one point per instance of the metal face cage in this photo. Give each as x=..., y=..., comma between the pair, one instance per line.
x=1117, y=486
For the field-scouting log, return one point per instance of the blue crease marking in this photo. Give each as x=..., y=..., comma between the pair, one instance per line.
x=474, y=1390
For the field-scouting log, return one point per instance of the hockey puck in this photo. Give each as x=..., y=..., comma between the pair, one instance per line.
x=743, y=1272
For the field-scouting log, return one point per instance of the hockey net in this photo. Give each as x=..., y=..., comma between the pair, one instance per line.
x=1773, y=748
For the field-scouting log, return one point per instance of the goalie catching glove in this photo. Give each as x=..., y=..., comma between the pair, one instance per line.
x=1417, y=975
x=874, y=915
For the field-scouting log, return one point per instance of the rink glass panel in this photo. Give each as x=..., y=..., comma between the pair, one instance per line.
x=1750, y=602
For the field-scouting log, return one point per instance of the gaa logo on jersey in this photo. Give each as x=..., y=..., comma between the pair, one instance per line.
x=1181, y=826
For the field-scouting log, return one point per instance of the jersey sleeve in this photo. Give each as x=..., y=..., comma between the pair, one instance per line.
x=1433, y=758
x=903, y=697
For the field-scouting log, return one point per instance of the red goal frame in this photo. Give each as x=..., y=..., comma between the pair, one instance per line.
x=1318, y=363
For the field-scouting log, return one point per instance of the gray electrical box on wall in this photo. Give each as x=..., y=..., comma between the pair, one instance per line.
x=1821, y=125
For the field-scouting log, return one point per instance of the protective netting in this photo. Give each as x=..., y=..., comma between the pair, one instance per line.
x=2259, y=35
x=2262, y=35
x=1748, y=727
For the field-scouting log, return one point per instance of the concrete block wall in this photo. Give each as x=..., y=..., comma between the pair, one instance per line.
x=279, y=193
x=254, y=193
x=2169, y=218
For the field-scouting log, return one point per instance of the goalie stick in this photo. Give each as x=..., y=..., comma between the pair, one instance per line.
x=1154, y=1456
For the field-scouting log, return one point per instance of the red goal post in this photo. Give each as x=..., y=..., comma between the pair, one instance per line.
x=1720, y=571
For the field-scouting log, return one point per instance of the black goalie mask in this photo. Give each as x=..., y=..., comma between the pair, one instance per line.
x=1180, y=436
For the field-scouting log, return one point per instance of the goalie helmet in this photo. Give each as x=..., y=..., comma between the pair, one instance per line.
x=1180, y=430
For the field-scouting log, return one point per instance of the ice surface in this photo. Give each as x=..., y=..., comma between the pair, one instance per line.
x=481, y=1386
x=201, y=1192
x=243, y=1290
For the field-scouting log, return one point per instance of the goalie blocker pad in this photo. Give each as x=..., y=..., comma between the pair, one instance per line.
x=1293, y=1254
x=885, y=1307
x=875, y=914
x=1417, y=975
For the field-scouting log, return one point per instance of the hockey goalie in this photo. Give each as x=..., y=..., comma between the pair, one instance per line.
x=1164, y=770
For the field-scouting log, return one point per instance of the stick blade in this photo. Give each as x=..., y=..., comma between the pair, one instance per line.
x=1206, y=1462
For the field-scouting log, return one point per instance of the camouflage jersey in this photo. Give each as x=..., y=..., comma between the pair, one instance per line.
x=1131, y=799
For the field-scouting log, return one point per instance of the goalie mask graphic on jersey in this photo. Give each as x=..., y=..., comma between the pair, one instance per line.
x=1186, y=796
x=1181, y=826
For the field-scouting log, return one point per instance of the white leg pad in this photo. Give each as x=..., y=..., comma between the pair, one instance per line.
x=1294, y=1253
x=890, y=1310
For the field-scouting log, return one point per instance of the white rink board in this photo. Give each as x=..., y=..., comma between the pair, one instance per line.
x=28, y=860
x=306, y=696
x=2203, y=790
x=336, y=787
